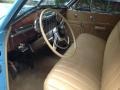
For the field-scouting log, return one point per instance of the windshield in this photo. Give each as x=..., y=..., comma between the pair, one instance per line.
x=33, y=3
x=5, y=6
x=55, y=2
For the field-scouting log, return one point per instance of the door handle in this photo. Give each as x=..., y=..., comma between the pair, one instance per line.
x=103, y=28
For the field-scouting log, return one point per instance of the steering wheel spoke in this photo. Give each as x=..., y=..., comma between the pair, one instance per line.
x=54, y=43
x=54, y=47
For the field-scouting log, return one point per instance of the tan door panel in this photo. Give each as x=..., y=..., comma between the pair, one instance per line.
x=77, y=29
x=106, y=18
x=78, y=17
x=98, y=24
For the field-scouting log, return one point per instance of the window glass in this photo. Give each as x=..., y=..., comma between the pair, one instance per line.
x=54, y=2
x=5, y=6
x=99, y=5
x=29, y=4
x=114, y=7
x=82, y=5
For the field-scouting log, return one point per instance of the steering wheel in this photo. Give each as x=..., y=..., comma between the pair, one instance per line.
x=63, y=35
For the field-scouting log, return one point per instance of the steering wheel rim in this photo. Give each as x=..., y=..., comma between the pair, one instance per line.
x=46, y=39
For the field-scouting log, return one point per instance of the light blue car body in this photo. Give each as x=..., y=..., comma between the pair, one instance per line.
x=4, y=25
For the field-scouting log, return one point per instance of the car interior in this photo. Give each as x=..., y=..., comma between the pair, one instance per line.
x=66, y=48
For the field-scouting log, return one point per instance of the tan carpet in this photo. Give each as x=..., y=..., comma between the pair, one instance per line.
x=34, y=79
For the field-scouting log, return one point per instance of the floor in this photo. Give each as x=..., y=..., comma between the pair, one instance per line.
x=34, y=79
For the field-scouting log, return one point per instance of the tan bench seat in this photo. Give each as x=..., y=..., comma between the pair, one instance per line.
x=83, y=71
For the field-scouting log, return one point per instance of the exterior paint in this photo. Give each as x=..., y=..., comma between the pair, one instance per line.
x=4, y=25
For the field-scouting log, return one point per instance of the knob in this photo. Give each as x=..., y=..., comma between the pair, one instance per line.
x=76, y=15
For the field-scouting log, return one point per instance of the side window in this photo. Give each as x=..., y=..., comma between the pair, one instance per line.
x=83, y=5
x=99, y=6
x=114, y=7
x=108, y=6
x=102, y=6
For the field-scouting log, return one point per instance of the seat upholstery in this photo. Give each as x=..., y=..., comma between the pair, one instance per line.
x=111, y=65
x=83, y=70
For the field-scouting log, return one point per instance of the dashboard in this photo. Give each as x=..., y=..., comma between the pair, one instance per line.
x=27, y=29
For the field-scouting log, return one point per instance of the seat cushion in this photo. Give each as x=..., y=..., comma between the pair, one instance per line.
x=83, y=70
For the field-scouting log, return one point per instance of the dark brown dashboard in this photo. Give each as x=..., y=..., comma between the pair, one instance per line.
x=22, y=31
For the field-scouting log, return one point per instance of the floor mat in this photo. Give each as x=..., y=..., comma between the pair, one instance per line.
x=34, y=79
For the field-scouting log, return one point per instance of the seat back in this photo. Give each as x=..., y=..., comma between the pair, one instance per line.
x=111, y=63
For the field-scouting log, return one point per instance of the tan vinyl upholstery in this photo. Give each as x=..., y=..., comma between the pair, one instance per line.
x=111, y=65
x=83, y=71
